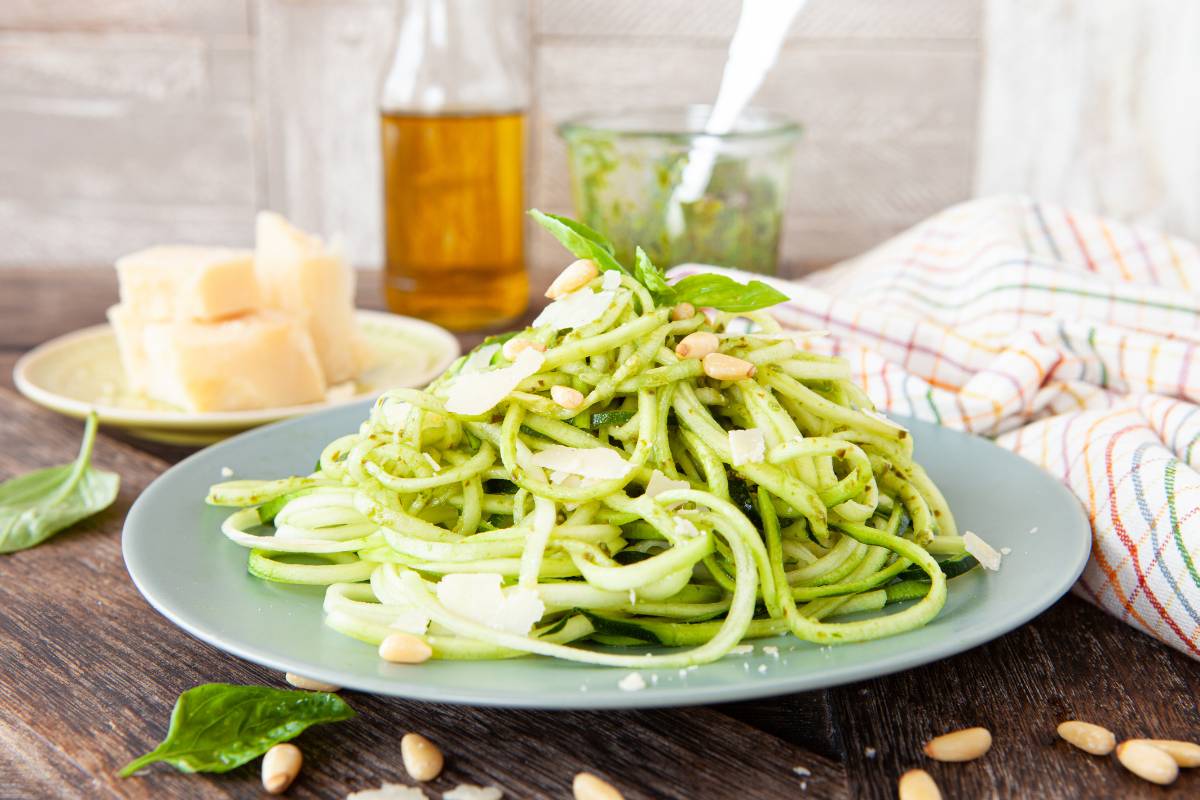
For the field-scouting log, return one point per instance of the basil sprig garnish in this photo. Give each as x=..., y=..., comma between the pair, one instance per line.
x=706, y=290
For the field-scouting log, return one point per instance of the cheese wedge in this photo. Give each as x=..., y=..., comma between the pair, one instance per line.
x=260, y=360
x=301, y=276
x=186, y=282
x=129, y=330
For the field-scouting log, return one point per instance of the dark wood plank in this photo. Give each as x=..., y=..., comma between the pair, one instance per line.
x=91, y=672
x=1073, y=662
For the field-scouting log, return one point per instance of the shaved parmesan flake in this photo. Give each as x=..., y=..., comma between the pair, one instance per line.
x=685, y=528
x=480, y=597
x=739, y=326
x=574, y=310
x=467, y=791
x=633, y=682
x=660, y=483
x=479, y=392
x=389, y=791
x=611, y=281
x=747, y=447
x=394, y=414
x=595, y=462
x=481, y=359
x=984, y=553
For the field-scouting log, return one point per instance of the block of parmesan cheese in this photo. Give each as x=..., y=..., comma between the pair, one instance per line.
x=129, y=330
x=180, y=282
x=260, y=360
x=298, y=274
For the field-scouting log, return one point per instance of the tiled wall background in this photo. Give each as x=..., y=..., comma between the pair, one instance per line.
x=127, y=122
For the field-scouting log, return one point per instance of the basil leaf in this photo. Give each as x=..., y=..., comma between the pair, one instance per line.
x=579, y=239
x=219, y=726
x=652, y=278
x=725, y=294
x=39, y=504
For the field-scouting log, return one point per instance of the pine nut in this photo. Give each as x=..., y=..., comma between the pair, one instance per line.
x=727, y=368
x=1186, y=754
x=917, y=784
x=588, y=787
x=683, y=311
x=404, y=648
x=422, y=758
x=577, y=275
x=697, y=345
x=280, y=766
x=566, y=397
x=301, y=682
x=513, y=347
x=965, y=745
x=1088, y=737
x=1147, y=761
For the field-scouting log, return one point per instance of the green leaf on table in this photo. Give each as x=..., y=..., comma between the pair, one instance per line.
x=725, y=294
x=652, y=278
x=579, y=239
x=219, y=726
x=39, y=504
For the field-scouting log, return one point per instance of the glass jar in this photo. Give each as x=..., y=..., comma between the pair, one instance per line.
x=452, y=123
x=626, y=169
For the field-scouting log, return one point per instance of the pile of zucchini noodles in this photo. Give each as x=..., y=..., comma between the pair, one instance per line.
x=836, y=518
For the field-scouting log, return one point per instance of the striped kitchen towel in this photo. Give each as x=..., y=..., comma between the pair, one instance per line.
x=1070, y=338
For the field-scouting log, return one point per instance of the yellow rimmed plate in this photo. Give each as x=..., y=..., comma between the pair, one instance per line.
x=81, y=371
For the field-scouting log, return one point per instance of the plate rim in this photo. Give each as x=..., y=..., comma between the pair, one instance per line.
x=151, y=419
x=773, y=686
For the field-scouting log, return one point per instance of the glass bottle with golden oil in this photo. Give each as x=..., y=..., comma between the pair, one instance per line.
x=452, y=125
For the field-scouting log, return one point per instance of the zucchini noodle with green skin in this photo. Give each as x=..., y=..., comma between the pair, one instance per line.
x=632, y=518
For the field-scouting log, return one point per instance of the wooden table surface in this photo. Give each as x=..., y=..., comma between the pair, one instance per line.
x=89, y=673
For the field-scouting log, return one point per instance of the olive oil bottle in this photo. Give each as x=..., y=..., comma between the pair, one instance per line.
x=452, y=133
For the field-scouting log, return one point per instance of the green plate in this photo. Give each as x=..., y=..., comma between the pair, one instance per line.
x=189, y=571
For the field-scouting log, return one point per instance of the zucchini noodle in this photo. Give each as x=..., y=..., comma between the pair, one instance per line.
x=629, y=519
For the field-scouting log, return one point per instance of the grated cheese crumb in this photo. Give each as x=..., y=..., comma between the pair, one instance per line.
x=869, y=752
x=226, y=472
x=771, y=650
x=803, y=772
x=987, y=555
x=742, y=649
x=1004, y=551
x=762, y=668
x=633, y=682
